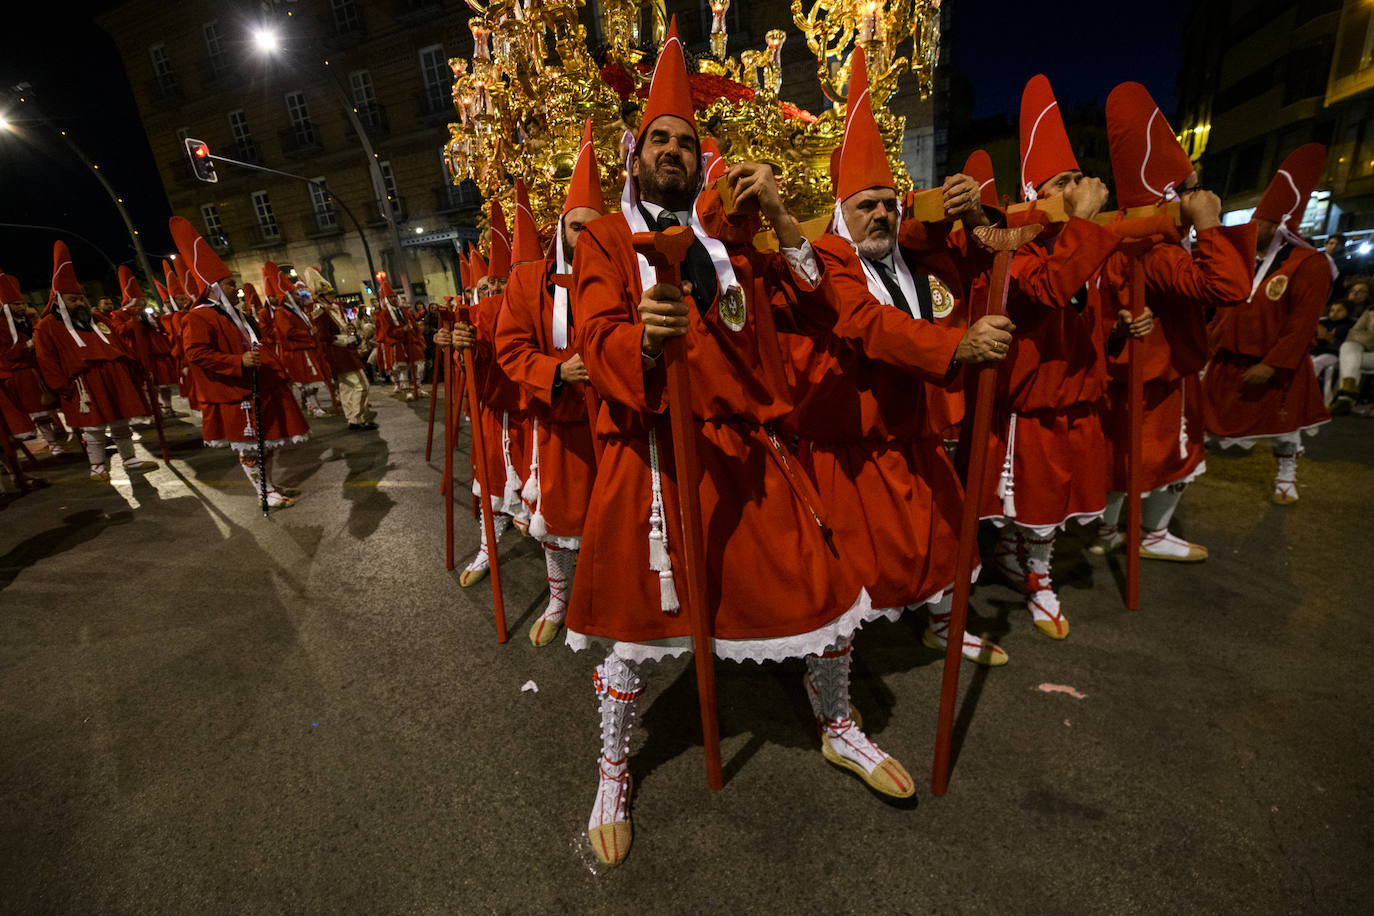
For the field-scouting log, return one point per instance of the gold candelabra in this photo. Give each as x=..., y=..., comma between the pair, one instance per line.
x=531, y=82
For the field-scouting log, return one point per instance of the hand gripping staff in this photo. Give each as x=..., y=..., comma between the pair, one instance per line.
x=666, y=251
x=1004, y=242
x=479, y=452
x=453, y=400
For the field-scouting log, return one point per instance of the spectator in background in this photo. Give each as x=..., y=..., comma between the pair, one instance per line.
x=1331, y=331
x=1356, y=353
x=1334, y=249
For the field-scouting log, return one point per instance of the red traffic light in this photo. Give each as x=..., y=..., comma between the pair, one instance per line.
x=202, y=151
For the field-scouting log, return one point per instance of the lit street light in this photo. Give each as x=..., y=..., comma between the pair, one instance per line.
x=266, y=40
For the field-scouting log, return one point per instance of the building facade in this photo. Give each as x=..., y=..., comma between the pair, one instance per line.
x=1262, y=77
x=345, y=71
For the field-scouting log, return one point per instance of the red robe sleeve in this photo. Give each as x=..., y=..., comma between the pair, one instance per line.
x=1050, y=275
x=1307, y=292
x=202, y=349
x=49, y=357
x=608, y=314
x=518, y=347
x=882, y=332
x=1216, y=273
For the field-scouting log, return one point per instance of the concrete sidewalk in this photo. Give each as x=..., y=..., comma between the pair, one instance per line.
x=206, y=711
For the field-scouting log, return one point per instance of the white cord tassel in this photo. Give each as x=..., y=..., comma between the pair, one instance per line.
x=659, y=560
x=532, y=493
x=512, y=494
x=1183, y=423
x=1006, y=484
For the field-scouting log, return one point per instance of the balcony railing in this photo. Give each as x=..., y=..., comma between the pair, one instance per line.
x=220, y=243
x=270, y=233
x=245, y=150
x=166, y=89
x=341, y=35
x=452, y=198
x=301, y=141
x=436, y=106
x=396, y=205
x=373, y=118
x=320, y=223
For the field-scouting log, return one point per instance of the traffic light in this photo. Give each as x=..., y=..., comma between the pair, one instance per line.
x=201, y=163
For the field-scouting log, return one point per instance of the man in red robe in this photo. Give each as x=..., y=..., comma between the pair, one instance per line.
x=875, y=414
x=1046, y=428
x=1260, y=383
x=145, y=337
x=29, y=398
x=400, y=344
x=224, y=349
x=536, y=347
x=1151, y=168
x=297, y=344
x=83, y=361
x=499, y=410
x=775, y=590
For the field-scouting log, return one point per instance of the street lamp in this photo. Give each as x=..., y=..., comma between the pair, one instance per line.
x=266, y=40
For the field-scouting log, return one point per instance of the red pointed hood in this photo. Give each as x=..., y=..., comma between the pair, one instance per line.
x=9, y=289
x=863, y=158
x=63, y=273
x=1286, y=197
x=196, y=252
x=670, y=94
x=1147, y=161
x=1045, y=147
x=499, y=266
x=478, y=268
x=978, y=166
x=128, y=286
x=527, y=247
x=161, y=291
x=174, y=286
x=384, y=291
x=584, y=189
x=251, y=298
x=463, y=271
x=188, y=280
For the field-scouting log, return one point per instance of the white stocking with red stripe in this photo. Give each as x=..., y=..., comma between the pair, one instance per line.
x=560, y=563
x=827, y=688
x=618, y=687
x=499, y=525
x=1044, y=604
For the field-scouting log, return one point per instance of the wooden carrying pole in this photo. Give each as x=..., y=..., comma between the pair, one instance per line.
x=1004, y=242
x=1135, y=414
x=434, y=387
x=666, y=251
x=480, y=454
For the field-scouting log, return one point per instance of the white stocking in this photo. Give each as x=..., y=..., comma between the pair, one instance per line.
x=560, y=563
x=165, y=393
x=312, y=397
x=1009, y=555
x=123, y=439
x=1111, y=516
x=1158, y=507
x=827, y=688
x=94, y=440
x=1043, y=604
x=499, y=525
x=249, y=463
x=618, y=688
x=47, y=430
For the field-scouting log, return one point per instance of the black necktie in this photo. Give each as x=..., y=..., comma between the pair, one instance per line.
x=893, y=288
x=698, y=269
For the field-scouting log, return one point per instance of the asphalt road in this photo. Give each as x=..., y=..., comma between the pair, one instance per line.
x=206, y=711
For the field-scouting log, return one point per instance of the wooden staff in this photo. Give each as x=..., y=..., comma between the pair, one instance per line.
x=1004, y=242
x=480, y=454
x=434, y=387
x=451, y=416
x=1135, y=415
x=666, y=250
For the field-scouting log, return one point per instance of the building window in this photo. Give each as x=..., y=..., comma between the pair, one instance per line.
x=299, y=115
x=267, y=221
x=215, y=52
x=364, y=95
x=322, y=204
x=244, y=147
x=436, y=77
x=346, y=18
x=162, y=69
x=209, y=214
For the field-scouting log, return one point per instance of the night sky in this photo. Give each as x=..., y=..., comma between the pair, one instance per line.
x=1085, y=48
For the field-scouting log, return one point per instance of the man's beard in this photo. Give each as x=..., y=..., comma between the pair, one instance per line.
x=876, y=249
x=669, y=188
